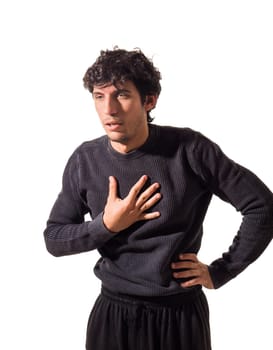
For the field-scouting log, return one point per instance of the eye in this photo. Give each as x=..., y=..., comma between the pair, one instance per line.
x=123, y=95
x=98, y=97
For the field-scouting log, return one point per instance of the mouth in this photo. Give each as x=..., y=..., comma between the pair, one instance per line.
x=113, y=125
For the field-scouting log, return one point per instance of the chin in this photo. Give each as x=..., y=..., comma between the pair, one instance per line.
x=119, y=141
x=118, y=138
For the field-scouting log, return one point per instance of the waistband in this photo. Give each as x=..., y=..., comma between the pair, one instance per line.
x=169, y=300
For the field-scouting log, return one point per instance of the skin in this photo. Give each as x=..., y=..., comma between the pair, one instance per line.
x=122, y=213
x=195, y=270
x=124, y=119
x=123, y=115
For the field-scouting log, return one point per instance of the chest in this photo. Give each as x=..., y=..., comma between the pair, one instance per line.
x=178, y=184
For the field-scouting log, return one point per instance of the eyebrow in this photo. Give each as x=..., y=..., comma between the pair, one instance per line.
x=117, y=91
x=123, y=90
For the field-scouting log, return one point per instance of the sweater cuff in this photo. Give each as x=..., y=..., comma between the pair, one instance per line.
x=100, y=234
x=219, y=274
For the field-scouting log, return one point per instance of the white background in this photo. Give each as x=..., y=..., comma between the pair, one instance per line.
x=216, y=62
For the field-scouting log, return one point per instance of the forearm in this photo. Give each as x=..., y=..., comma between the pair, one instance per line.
x=66, y=239
x=250, y=242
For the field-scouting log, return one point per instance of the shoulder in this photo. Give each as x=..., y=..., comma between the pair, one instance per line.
x=192, y=145
x=185, y=136
x=92, y=145
x=88, y=150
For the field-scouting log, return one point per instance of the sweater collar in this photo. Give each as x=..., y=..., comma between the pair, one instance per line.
x=147, y=147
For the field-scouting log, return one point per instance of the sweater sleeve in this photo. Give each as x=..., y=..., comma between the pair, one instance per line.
x=249, y=195
x=66, y=231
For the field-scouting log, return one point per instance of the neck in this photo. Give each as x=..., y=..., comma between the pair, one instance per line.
x=126, y=146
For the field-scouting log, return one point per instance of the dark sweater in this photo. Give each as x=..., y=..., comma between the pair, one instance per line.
x=190, y=169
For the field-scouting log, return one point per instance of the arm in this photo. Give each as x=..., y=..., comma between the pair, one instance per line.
x=247, y=194
x=66, y=231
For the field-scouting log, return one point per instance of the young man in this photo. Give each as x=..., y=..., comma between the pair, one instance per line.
x=147, y=189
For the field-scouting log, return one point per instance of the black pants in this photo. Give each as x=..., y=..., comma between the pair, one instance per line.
x=119, y=322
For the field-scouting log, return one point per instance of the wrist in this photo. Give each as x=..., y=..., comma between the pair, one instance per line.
x=107, y=225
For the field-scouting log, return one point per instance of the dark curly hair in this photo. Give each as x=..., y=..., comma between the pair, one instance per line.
x=118, y=65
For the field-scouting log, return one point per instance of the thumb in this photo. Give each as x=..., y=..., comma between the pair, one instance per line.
x=112, y=188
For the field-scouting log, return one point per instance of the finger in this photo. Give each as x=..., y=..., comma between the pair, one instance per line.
x=149, y=203
x=192, y=282
x=188, y=256
x=183, y=265
x=147, y=194
x=186, y=273
x=134, y=191
x=150, y=216
x=112, y=188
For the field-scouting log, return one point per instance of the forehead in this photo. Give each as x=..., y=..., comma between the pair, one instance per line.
x=126, y=85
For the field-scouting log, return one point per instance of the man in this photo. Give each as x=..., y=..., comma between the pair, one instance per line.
x=147, y=189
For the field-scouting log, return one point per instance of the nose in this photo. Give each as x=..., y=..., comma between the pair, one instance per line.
x=110, y=106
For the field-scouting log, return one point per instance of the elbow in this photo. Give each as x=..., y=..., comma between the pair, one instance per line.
x=54, y=252
x=53, y=248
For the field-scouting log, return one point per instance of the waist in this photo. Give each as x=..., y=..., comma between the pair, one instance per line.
x=166, y=300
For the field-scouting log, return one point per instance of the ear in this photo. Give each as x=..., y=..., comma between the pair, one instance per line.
x=150, y=102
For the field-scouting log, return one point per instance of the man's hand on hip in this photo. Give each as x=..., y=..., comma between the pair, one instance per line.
x=194, y=270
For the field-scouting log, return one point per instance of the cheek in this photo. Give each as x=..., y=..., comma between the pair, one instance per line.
x=134, y=109
x=97, y=107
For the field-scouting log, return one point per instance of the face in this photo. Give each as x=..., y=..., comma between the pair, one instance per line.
x=123, y=115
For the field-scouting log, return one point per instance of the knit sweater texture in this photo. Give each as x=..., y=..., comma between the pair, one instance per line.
x=190, y=169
